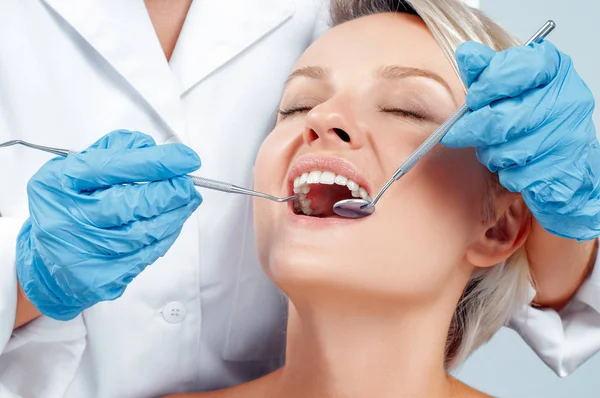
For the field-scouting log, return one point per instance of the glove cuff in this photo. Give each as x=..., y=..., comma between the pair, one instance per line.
x=37, y=283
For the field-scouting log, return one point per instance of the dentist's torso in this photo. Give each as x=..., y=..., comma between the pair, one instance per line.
x=204, y=316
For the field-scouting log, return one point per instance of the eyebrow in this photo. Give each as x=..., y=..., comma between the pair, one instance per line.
x=390, y=72
x=313, y=72
x=401, y=72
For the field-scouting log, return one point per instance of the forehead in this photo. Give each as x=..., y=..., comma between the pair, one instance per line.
x=359, y=47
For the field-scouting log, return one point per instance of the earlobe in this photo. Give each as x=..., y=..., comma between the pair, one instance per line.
x=505, y=234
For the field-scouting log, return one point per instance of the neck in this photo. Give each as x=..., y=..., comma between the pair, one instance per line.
x=338, y=346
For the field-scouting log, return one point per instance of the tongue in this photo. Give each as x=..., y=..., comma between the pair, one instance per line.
x=323, y=197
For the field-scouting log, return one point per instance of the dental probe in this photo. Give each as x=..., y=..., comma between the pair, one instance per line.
x=198, y=181
x=358, y=208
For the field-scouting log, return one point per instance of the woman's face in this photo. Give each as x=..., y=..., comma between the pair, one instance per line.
x=359, y=101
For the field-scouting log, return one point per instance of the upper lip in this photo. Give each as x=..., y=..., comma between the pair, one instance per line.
x=308, y=163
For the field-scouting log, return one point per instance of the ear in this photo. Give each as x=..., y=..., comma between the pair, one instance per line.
x=504, y=235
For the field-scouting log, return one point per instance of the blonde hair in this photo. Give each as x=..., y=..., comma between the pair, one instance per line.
x=492, y=294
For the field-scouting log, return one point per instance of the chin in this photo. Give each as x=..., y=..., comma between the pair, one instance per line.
x=316, y=268
x=290, y=264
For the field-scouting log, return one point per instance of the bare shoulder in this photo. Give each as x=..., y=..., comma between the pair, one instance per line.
x=254, y=389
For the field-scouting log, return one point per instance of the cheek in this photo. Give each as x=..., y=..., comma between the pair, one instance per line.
x=270, y=177
x=445, y=188
x=455, y=183
x=443, y=197
x=274, y=158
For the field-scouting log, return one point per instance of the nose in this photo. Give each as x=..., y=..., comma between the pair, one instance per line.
x=333, y=128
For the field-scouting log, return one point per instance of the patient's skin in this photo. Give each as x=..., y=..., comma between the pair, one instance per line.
x=372, y=299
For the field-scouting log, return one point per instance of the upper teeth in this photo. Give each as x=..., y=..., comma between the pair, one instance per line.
x=302, y=187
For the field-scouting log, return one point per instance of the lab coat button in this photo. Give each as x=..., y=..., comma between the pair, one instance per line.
x=174, y=312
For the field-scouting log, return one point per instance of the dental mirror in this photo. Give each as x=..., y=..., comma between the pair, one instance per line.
x=353, y=208
x=358, y=208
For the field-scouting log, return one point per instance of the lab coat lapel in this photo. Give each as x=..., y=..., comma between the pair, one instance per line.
x=216, y=31
x=122, y=33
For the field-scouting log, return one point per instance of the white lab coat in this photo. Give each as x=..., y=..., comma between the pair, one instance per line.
x=204, y=316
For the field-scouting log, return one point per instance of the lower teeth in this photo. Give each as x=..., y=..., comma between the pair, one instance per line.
x=302, y=204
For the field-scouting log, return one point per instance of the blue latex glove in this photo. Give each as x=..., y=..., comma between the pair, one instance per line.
x=91, y=231
x=531, y=122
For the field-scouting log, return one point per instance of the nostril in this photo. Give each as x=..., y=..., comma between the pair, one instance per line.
x=342, y=134
x=312, y=135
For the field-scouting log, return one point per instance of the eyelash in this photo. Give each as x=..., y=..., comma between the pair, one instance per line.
x=291, y=111
x=404, y=113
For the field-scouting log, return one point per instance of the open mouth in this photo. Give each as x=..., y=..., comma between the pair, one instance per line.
x=319, y=190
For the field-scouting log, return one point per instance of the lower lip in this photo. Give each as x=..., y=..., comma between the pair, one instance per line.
x=301, y=219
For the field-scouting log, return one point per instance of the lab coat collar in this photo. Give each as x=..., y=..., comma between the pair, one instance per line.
x=122, y=33
x=216, y=31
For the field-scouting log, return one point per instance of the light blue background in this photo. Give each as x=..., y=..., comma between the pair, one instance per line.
x=507, y=367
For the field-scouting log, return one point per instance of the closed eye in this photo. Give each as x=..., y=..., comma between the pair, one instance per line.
x=294, y=110
x=404, y=113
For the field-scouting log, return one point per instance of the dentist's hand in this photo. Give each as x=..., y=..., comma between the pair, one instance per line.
x=91, y=230
x=531, y=122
